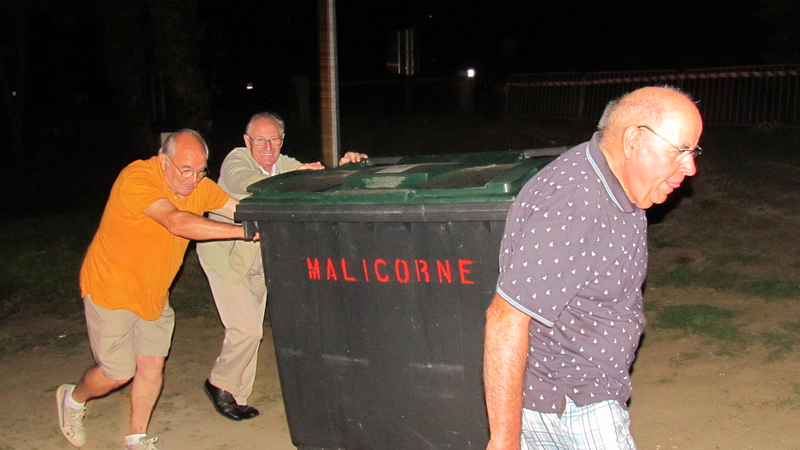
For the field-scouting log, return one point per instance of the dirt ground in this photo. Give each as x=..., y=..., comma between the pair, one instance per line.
x=686, y=394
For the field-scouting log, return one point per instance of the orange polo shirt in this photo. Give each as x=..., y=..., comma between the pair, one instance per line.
x=132, y=259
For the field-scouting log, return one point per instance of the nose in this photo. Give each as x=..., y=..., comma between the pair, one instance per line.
x=688, y=167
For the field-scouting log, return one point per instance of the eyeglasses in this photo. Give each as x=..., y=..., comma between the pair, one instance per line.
x=186, y=173
x=260, y=141
x=692, y=151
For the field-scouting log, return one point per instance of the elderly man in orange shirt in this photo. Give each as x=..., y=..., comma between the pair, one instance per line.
x=156, y=206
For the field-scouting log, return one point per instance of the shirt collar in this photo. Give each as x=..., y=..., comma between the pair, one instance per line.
x=610, y=181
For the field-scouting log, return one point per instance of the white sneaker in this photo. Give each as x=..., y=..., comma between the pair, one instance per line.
x=145, y=443
x=70, y=420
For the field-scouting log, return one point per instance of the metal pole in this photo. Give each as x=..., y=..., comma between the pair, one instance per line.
x=329, y=83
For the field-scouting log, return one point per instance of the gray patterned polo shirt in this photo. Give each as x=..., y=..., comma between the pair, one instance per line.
x=574, y=257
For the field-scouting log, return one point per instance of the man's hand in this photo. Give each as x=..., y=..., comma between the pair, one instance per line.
x=352, y=157
x=347, y=158
x=316, y=165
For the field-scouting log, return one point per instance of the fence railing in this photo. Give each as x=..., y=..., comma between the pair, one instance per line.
x=731, y=95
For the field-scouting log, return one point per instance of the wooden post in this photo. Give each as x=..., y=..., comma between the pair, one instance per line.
x=329, y=83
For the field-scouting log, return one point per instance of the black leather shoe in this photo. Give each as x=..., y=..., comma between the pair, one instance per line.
x=247, y=412
x=223, y=402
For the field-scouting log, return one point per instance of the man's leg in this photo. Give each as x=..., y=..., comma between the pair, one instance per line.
x=542, y=431
x=598, y=426
x=603, y=426
x=153, y=340
x=94, y=384
x=241, y=308
x=145, y=389
x=110, y=338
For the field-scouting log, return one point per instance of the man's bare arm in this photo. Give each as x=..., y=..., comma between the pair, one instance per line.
x=189, y=225
x=505, y=351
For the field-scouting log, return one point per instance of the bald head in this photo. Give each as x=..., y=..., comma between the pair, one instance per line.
x=185, y=135
x=647, y=137
x=648, y=106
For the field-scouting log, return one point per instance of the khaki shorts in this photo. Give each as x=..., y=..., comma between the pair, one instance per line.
x=118, y=336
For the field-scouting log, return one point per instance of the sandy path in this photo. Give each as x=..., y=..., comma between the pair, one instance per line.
x=686, y=395
x=183, y=419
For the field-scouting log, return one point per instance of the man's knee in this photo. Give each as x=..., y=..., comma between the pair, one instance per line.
x=253, y=336
x=246, y=333
x=150, y=367
x=98, y=374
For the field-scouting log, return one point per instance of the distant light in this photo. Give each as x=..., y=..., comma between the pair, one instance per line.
x=249, y=86
x=470, y=73
x=13, y=93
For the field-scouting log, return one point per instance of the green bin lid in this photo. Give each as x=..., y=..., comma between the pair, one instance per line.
x=403, y=184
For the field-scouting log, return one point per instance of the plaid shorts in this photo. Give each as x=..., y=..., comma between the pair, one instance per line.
x=598, y=426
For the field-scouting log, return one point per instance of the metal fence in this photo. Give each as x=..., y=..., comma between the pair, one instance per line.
x=731, y=95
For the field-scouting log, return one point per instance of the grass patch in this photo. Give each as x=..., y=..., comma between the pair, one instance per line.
x=41, y=262
x=685, y=276
x=701, y=319
x=743, y=259
x=785, y=341
x=770, y=289
x=42, y=257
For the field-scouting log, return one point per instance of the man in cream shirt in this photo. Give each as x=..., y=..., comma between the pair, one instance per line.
x=234, y=268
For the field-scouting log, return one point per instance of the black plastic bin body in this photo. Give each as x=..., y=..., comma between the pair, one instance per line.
x=379, y=278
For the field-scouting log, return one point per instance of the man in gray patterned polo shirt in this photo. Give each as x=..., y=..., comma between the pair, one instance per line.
x=573, y=259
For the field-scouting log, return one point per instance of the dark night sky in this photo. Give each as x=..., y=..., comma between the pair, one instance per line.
x=267, y=39
x=268, y=42
x=85, y=89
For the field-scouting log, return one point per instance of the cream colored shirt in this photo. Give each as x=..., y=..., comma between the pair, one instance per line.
x=232, y=259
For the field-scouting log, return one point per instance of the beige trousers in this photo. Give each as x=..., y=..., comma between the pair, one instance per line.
x=241, y=308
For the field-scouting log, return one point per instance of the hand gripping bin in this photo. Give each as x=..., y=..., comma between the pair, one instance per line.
x=379, y=277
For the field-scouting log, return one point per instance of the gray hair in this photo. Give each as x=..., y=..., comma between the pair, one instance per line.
x=168, y=148
x=266, y=115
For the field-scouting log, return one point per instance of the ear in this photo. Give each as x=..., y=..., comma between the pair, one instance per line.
x=246, y=140
x=162, y=159
x=630, y=138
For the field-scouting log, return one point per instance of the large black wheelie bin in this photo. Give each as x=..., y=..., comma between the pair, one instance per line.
x=379, y=274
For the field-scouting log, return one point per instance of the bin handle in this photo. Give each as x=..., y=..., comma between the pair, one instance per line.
x=250, y=229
